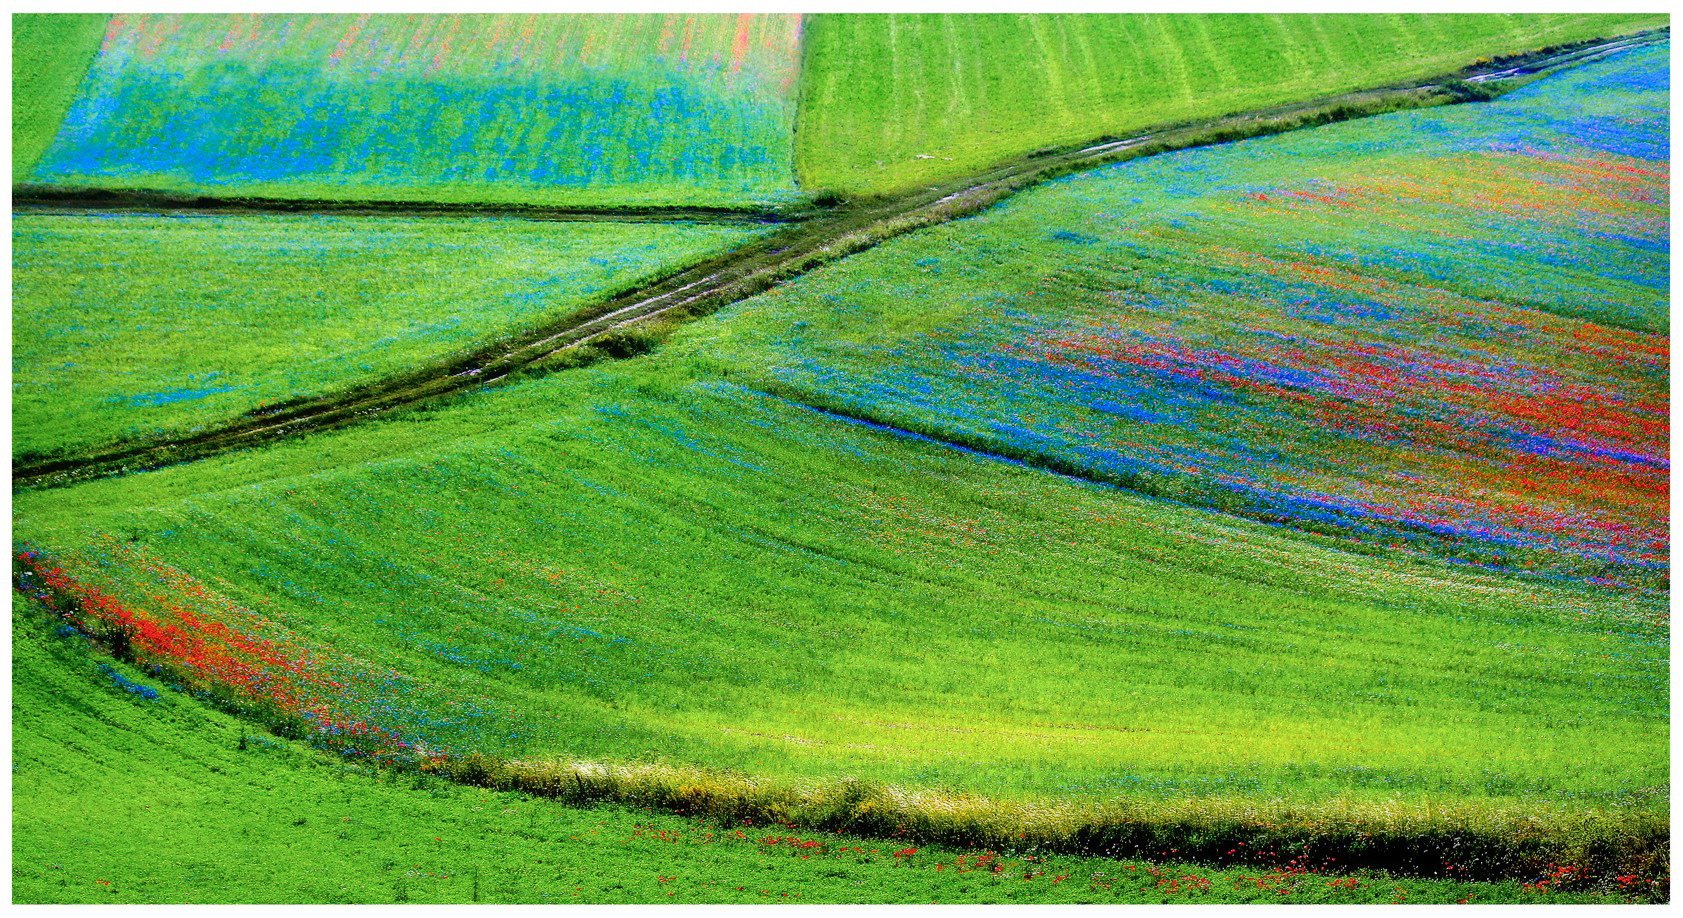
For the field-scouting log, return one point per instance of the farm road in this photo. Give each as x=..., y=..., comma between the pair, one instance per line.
x=811, y=238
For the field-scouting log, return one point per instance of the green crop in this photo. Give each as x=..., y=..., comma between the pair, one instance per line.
x=622, y=565
x=889, y=102
x=131, y=325
x=121, y=797
x=604, y=110
x=50, y=55
x=866, y=555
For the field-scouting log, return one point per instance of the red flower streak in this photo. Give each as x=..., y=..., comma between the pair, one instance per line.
x=278, y=677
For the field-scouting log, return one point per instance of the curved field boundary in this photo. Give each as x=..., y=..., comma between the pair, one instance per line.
x=780, y=257
x=1461, y=840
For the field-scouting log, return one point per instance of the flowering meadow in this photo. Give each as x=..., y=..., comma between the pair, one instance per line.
x=602, y=110
x=1433, y=332
x=608, y=566
x=1262, y=522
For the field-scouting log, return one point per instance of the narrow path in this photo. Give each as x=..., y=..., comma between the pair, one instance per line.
x=821, y=237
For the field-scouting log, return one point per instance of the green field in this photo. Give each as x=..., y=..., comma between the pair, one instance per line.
x=1266, y=521
x=123, y=798
x=49, y=56
x=557, y=109
x=128, y=326
x=1368, y=329
x=627, y=566
x=890, y=102
x=672, y=108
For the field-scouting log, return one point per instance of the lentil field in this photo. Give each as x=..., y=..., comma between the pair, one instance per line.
x=1281, y=520
x=189, y=814
x=1438, y=330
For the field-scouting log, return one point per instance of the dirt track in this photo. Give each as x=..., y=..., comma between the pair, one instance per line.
x=811, y=238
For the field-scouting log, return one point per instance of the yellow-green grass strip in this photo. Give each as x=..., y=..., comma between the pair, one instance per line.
x=126, y=791
x=703, y=524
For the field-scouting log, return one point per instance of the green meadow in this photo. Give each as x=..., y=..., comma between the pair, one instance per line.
x=875, y=586
x=890, y=102
x=132, y=326
x=122, y=797
x=652, y=564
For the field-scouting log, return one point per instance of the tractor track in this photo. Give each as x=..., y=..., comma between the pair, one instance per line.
x=810, y=238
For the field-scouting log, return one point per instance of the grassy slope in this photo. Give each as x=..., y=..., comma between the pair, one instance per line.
x=128, y=325
x=621, y=565
x=1353, y=326
x=50, y=55
x=118, y=798
x=891, y=102
x=676, y=529
x=642, y=109
x=707, y=574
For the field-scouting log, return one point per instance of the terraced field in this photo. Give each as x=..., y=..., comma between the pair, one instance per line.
x=1268, y=521
x=894, y=101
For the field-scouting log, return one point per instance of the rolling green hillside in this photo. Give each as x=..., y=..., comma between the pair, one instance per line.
x=629, y=566
x=890, y=102
x=1436, y=331
x=1296, y=504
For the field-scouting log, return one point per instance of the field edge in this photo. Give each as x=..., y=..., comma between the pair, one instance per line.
x=1413, y=839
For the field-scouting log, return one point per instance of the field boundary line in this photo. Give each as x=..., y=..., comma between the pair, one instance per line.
x=46, y=199
x=821, y=237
